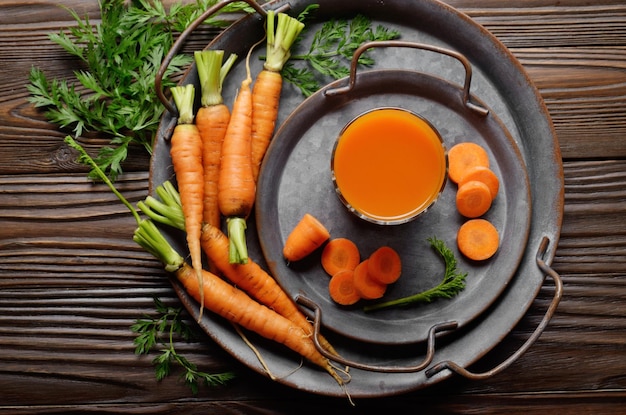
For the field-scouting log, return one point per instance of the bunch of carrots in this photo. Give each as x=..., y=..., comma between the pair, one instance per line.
x=351, y=279
x=217, y=154
x=477, y=239
x=274, y=316
x=216, y=157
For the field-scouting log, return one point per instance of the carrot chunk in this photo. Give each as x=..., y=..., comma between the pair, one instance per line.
x=478, y=239
x=340, y=254
x=367, y=287
x=384, y=265
x=341, y=288
x=462, y=157
x=485, y=175
x=473, y=199
x=308, y=235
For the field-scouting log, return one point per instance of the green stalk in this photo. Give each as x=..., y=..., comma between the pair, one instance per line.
x=148, y=236
x=238, y=249
x=86, y=159
x=281, y=36
x=209, y=63
x=226, y=67
x=167, y=210
x=212, y=72
x=183, y=98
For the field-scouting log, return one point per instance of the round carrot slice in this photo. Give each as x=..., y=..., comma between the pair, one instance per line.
x=385, y=265
x=473, y=199
x=485, y=175
x=462, y=157
x=340, y=254
x=478, y=239
x=367, y=287
x=341, y=288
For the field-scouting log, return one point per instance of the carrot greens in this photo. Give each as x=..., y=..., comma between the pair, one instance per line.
x=162, y=331
x=453, y=282
x=114, y=94
x=330, y=50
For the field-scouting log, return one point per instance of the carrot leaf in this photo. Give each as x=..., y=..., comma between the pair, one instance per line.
x=453, y=282
x=162, y=331
x=114, y=94
x=330, y=51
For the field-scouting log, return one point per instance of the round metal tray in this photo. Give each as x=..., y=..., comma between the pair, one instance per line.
x=503, y=86
x=296, y=179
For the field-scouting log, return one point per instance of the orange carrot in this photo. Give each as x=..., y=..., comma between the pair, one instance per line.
x=268, y=83
x=254, y=280
x=341, y=288
x=478, y=239
x=340, y=254
x=462, y=157
x=236, y=186
x=367, y=287
x=308, y=235
x=473, y=199
x=212, y=120
x=385, y=265
x=485, y=175
x=186, y=154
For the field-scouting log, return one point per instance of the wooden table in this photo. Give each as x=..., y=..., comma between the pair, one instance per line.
x=72, y=281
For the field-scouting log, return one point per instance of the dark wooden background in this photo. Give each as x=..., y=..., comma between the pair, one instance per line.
x=72, y=281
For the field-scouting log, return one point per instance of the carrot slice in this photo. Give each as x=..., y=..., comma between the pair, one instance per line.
x=341, y=288
x=462, y=157
x=485, y=175
x=308, y=235
x=340, y=254
x=473, y=199
x=478, y=239
x=367, y=287
x=384, y=265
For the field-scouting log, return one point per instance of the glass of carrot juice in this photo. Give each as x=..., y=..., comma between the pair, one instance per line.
x=389, y=165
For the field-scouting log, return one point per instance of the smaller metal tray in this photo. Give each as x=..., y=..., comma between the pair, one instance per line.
x=296, y=179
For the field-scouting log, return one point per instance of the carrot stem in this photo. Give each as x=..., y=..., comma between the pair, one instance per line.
x=209, y=64
x=184, y=98
x=238, y=249
x=280, y=37
x=147, y=235
x=167, y=210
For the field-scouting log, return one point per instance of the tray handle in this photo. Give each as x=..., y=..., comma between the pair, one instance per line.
x=178, y=43
x=430, y=350
x=407, y=44
x=529, y=342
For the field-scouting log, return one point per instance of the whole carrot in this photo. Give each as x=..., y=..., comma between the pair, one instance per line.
x=212, y=120
x=268, y=84
x=236, y=186
x=229, y=302
x=186, y=154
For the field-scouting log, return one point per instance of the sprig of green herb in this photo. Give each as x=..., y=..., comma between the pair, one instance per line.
x=162, y=331
x=453, y=282
x=331, y=50
x=114, y=94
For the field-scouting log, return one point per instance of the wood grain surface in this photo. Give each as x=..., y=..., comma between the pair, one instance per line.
x=72, y=281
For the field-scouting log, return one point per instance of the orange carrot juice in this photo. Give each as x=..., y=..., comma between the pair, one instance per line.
x=389, y=165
